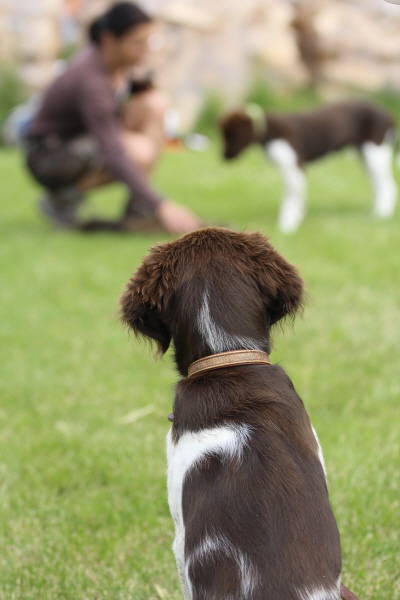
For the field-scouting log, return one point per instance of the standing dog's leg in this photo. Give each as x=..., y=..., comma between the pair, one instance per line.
x=293, y=203
x=378, y=160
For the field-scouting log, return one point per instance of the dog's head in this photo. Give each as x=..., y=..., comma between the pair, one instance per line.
x=237, y=132
x=210, y=291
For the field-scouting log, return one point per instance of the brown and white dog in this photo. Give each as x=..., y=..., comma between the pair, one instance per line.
x=293, y=140
x=246, y=481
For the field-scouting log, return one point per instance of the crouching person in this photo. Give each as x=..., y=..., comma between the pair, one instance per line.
x=95, y=125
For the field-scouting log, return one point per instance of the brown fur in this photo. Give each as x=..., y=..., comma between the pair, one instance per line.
x=272, y=506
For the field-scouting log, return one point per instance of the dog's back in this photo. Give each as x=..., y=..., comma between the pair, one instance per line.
x=330, y=128
x=257, y=519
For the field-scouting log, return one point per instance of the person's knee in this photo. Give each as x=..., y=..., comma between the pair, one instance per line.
x=157, y=104
x=144, y=110
x=141, y=150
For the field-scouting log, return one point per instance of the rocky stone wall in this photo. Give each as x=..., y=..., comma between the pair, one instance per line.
x=212, y=46
x=30, y=38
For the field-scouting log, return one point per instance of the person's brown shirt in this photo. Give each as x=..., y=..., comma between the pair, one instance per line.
x=82, y=101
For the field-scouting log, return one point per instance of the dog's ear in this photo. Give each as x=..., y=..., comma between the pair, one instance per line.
x=279, y=281
x=145, y=298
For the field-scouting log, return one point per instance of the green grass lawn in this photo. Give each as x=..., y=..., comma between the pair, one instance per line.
x=84, y=406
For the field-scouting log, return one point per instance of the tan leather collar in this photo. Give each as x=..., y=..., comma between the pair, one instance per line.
x=228, y=359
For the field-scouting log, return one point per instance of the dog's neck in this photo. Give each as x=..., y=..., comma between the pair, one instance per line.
x=228, y=359
x=215, y=330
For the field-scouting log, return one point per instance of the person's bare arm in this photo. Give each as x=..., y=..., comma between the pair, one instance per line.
x=176, y=219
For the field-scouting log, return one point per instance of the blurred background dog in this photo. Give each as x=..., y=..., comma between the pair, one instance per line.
x=292, y=141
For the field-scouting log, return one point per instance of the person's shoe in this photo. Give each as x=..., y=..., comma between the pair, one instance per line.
x=95, y=225
x=128, y=224
x=61, y=207
x=134, y=221
x=141, y=224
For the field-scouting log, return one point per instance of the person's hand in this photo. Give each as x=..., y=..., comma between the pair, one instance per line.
x=177, y=219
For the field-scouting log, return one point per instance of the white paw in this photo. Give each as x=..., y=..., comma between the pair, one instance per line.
x=290, y=218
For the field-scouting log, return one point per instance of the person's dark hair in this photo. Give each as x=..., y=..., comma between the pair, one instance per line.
x=118, y=20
